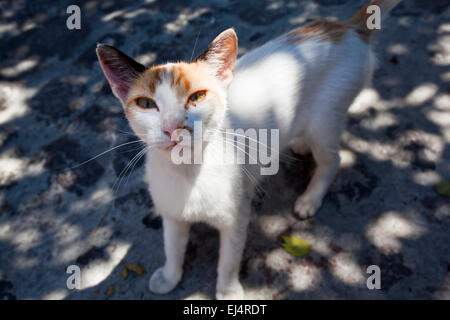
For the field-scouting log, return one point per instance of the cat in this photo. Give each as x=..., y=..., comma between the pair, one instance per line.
x=300, y=83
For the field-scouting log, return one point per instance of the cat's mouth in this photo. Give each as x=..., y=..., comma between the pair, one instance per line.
x=171, y=146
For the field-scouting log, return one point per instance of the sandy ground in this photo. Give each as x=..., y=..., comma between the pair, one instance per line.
x=56, y=111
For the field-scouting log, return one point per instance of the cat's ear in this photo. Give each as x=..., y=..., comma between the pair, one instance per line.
x=119, y=69
x=221, y=55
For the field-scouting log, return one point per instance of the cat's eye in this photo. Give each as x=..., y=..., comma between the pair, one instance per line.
x=196, y=97
x=146, y=103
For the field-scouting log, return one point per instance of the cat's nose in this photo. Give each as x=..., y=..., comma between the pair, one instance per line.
x=168, y=131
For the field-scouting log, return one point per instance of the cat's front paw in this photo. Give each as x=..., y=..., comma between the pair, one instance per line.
x=233, y=292
x=161, y=284
x=306, y=207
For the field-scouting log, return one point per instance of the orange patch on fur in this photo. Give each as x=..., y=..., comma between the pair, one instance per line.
x=335, y=31
x=179, y=77
x=322, y=29
x=154, y=76
x=359, y=21
x=185, y=79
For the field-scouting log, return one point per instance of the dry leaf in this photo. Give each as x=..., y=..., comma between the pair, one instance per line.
x=119, y=288
x=110, y=291
x=95, y=293
x=136, y=268
x=124, y=273
x=296, y=246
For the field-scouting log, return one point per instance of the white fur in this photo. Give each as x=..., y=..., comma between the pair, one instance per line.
x=304, y=90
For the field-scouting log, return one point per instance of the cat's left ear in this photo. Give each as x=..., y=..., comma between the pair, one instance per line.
x=119, y=69
x=221, y=55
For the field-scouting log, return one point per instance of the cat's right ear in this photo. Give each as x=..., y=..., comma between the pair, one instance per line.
x=119, y=69
x=221, y=56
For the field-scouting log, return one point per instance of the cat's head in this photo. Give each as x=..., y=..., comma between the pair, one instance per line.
x=162, y=100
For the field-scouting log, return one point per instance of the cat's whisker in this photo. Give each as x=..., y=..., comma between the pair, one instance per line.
x=287, y=157
x=125, y=170
x=246, y=145
x=249, y=175
x=231, y=142
x=244, y=136
x=125, y=132
x=142, y=153
x=132, y=133
x=114, y=192
x=131, y=150
x=253, y=180
x=104, y=152
x=195, y=43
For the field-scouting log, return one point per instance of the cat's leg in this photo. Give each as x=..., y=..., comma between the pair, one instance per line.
x=299, y=146
x=232, y=243
x=326, y=156
x=176, y=235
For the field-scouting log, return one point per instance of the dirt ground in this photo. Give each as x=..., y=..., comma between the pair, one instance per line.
x=57, y=111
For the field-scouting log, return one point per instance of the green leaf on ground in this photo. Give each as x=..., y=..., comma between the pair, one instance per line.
x=443, y=188
x=296, y=246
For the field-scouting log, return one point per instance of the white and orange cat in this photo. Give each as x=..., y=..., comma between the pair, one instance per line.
x=301, y=83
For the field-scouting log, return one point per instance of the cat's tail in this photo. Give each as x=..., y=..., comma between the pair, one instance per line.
x=364, y=21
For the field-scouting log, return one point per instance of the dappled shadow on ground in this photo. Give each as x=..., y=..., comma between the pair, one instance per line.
x=56, y=111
